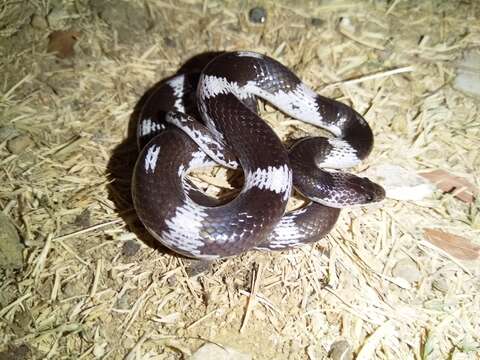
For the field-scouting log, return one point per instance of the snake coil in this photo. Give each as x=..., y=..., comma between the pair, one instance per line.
x=224, y=95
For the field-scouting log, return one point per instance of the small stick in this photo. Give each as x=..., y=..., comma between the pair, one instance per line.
x=86, y=230
x=256, y=280
x=372, y=76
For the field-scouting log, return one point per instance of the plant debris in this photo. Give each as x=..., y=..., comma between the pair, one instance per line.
x=460, y=187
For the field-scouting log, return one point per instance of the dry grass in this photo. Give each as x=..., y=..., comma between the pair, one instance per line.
x=380, y=286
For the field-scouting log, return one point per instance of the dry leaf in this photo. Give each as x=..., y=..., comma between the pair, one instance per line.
x=456, y=246
x=62, y=42
x=464, y=190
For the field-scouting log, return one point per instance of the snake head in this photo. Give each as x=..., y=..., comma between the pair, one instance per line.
x=362, y=190
x=346, y=190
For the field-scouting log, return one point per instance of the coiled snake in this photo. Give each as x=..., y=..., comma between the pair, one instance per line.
x=224, y=95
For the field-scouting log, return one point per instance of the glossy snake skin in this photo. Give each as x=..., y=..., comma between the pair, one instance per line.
x=173, y=142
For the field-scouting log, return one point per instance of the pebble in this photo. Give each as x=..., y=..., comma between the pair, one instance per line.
x=172, y=280
x=10, y=246
x=440, y=284
x=39, y=22
x=130, y=248
x=341, y=350
x=169, y=42
x=84, y=219
x=407, y=269
x=257, y=15
x=19, y=144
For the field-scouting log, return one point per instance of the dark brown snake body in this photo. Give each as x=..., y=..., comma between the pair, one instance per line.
x=173, y=143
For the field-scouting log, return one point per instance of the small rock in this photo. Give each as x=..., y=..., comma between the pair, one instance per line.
x=169, y=42
x=216, y=352
x=257, y=15
x=407, y=269
x=84, y=219
x=130, y=248
x=10, y=246
x=172, y=280
x=19, y=144
x=440, y=284
x=340, y=350
x=39, y=22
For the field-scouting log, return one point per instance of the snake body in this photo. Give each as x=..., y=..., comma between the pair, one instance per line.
x=224, y=95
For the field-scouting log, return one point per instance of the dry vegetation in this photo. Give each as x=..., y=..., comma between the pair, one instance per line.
x=89, y=288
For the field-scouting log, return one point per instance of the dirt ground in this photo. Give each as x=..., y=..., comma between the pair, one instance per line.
x=81, y=279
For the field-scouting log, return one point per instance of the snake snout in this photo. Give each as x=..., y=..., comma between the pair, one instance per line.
x=372, y=192
x=364, y=191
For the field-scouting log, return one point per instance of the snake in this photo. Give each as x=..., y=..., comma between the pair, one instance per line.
x=192, y=121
